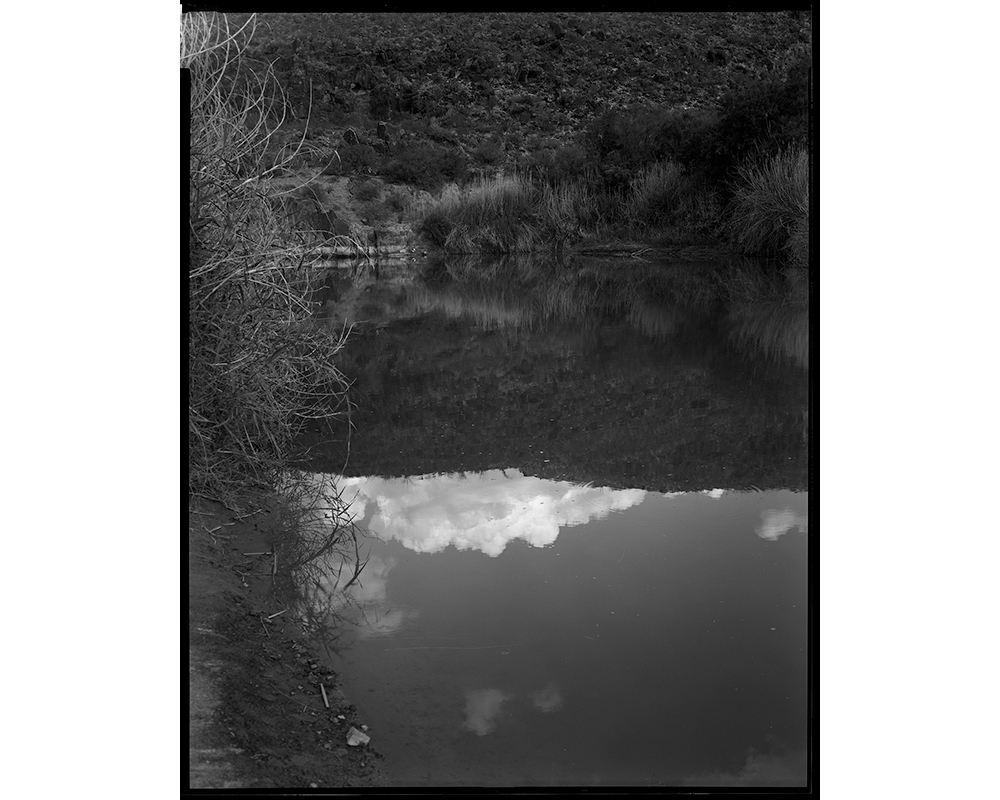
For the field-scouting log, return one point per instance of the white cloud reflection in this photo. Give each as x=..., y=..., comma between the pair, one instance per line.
x=548, y=699
x=482, y=511
x=775, y=523
x=482, y=709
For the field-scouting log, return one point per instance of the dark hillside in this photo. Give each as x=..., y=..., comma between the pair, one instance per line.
x=502, y=86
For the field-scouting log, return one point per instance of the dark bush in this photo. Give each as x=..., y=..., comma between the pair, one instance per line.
x=426, y=166
x=396, y=201
x=604, y=136
x=683, y=136
x=358, y=157
x=488, y=152
x=564, y=165
x=570, y=162
x=369, y=190
x=758, y=120
x=632, y=140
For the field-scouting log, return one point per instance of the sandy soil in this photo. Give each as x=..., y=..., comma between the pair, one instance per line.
x=257, y=716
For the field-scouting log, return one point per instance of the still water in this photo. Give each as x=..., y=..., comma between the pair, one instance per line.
x=624, y=602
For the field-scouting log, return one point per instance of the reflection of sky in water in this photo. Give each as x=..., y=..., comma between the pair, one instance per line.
x=676, y=628
x=484, y=511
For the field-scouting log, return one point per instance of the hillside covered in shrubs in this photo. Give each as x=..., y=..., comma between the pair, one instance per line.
x=561, y=128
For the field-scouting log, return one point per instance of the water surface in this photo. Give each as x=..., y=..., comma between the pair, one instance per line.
x=589, y=493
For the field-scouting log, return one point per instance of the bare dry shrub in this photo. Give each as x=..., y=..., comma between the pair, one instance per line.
x=259, y=368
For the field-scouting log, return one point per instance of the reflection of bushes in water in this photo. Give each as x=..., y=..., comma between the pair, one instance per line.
x=777, y=330
x=500, y=302
x=524, y=293
x=511, y=296
x=768, y=309
x=490, y=311
x=321, y=552
x=653, y=320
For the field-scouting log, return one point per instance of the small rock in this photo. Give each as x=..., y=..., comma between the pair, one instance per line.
x=356, y=737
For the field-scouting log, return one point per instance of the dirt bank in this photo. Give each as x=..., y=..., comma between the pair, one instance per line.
x=257, y=714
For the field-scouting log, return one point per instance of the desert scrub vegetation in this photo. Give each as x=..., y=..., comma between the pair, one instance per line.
x=602, y=102
x=258, y=369
x=736, y=173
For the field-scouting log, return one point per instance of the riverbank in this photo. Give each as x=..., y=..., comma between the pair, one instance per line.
x=257, y=713
x=373, y=219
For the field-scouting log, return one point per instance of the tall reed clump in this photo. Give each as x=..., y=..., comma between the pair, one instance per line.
x=518, y=213
x=511, y=214
x=655, y=195
x=259, y=369
x=770, y=207
x=492, y=215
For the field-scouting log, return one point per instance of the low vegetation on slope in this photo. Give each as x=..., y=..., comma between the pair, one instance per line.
x=657, y=122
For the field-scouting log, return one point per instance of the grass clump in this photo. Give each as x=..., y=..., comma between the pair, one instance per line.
x=490, y=215
x=769, y=214
x=510, y=214
x=258, y=367
x=518, y=213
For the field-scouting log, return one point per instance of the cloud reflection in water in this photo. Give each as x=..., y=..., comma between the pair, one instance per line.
x=775, y=523
x=482, y=710
x=548, y=699
x=483, y=511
